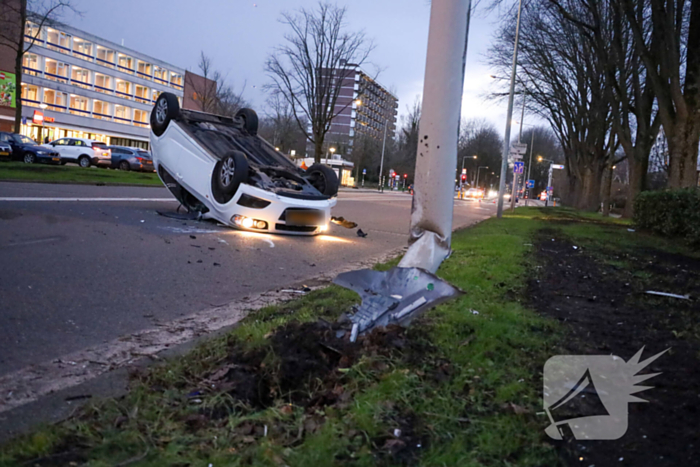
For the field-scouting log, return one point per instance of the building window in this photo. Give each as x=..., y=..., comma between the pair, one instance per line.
x=140, y=118
x=101, y=110
x=56, y=71
x=126, y=63
x=161, y=75
x=30, y=94
x=145, y=70
x=80, y=77
x=105, y=56
x=154, y=94
x=82, y=48
x=124, y=88
x=103, y=83
x=122, y=114
x=57, y=40
x=55, y=100
x=176, y=80
x=79, y=105
x=32, y=31
x=30, y=64
x=142, y=94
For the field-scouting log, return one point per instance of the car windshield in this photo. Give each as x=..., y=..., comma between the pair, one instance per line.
x=25, y=140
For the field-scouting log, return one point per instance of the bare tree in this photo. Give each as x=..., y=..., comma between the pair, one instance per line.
x=635, y=119
x=667, y=35
x=14, y=15
x=309, y=70
x=566, y=84
x=213, y=94
x=280, y=127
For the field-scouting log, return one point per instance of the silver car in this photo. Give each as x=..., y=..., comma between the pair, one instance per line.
x=126, y=158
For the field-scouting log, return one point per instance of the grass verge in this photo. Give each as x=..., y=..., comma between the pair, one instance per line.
x=72, y=174
x=460, y=387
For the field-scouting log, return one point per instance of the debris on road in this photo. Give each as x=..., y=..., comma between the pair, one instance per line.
x=341, y=221
x=417, y=289
x=361, y=234
x=666, y=294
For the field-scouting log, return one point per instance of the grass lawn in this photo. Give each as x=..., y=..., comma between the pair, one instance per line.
x=460, y=387
x=71, y=174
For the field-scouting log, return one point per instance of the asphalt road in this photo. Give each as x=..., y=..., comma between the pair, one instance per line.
x=82, y=265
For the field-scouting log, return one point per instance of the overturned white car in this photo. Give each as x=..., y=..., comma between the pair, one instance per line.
x=218, y=167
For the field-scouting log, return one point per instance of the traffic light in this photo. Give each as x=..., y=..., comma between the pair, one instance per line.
x=464, y=178
x=405, y=175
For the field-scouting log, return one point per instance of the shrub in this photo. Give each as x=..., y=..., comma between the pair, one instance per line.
x=674, y=213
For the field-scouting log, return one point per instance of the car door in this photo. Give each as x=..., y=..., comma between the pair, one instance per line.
x=80, y=147
x=117, y=155
x=61, y=147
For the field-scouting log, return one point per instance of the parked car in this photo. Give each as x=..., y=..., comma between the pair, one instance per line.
x=219, y=168
x=126, y=158
x=85, y=152
x=27, y=150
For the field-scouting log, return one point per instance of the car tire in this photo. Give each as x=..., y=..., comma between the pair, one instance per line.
x=84, y=161
x=250, y=120
x=29, y=158
x=229, y=173
x=166, y=108
x=323, y=178
x=124, y=165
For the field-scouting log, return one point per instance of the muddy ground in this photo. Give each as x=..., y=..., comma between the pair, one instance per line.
x=598, y=298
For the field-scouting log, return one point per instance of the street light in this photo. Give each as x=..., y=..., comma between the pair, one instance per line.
x=476, y=185
x=549, y=178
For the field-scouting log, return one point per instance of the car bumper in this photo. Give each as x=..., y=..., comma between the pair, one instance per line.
x=48, y=159
x=101, y=161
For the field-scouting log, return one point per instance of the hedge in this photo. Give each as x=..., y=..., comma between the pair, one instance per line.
x=673, y=213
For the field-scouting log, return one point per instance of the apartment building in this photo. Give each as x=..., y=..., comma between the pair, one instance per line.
x=75, y=84
x=364, y=108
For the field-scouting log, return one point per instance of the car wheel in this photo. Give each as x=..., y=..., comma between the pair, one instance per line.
x=84, y=162
x=250, y=120
x=323, y=178
x=167, y=108
x=29, y=158
x=229, y=173
x=124, y=165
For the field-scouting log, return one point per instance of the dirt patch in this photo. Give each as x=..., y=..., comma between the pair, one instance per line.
x=604, y=311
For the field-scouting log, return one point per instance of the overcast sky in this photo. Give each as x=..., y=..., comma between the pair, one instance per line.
x=239, y=34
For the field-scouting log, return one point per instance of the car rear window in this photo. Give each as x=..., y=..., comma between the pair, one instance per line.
x=144, y=154
x=99, y=145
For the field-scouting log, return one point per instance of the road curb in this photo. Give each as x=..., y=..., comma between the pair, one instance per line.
x=58, y=182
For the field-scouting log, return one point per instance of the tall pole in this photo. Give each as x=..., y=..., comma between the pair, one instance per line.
x=509, y=116
x=433, y=201
x=522, y=119
x=381, y=164
x=529, y=166
x=549, y=183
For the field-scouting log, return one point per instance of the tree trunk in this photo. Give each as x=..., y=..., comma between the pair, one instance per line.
x=683, y=150
x=18, y=66
x=590, y=193
x=318, y=148
x=637, y=172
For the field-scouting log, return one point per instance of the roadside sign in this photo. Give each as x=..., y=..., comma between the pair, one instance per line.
x=550, y=190
x=530, y=184
x=557, y=166
x=516, y=157
x=464, y=171
x=518, y=148
x=364, y=171
x=518, y=167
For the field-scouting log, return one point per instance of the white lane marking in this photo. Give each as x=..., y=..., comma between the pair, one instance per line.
x=90, y=200
x=188, y=230
x=367, y=198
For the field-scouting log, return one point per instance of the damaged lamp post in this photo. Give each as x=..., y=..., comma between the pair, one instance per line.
x=399, y=295
x=509, y=116
x=433, y=202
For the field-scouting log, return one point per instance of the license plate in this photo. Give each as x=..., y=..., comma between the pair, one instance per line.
x=310, y=217
x=56, y=158
x=148, y=163
x=3, y=153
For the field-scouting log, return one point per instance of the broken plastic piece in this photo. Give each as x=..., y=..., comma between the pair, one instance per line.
x=360, y=233
x=182, y=216
x=341, y=221
x=670, y=295
x=379, y=289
